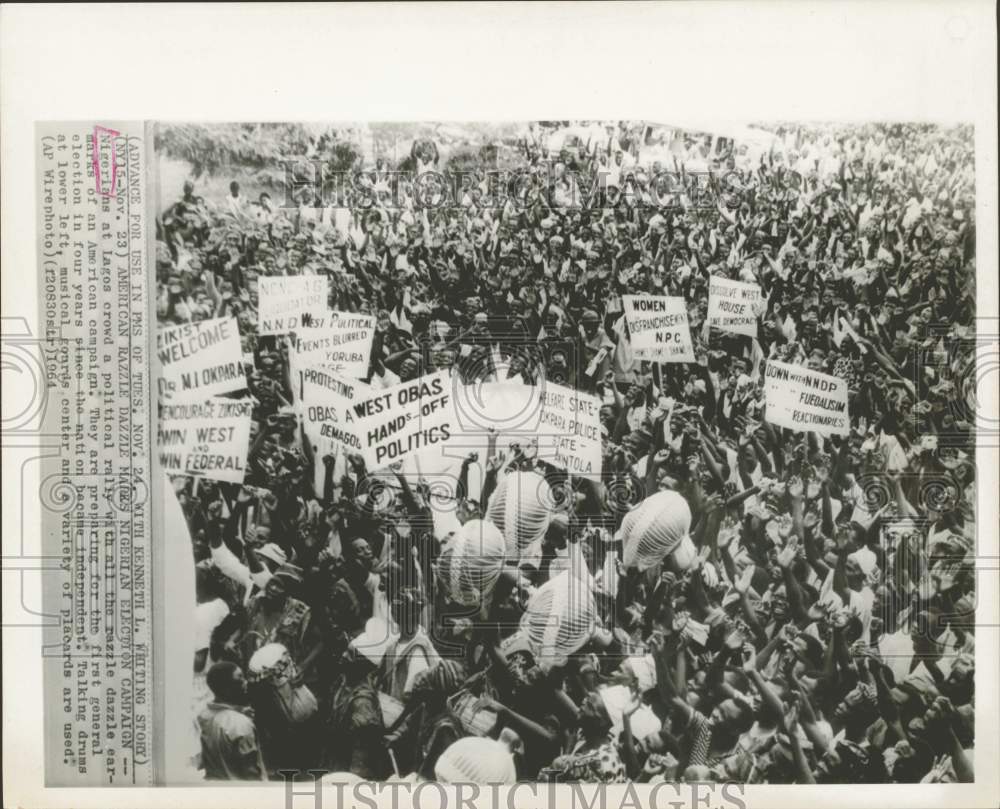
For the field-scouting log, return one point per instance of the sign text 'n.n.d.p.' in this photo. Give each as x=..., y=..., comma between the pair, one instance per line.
x=199, y=360
x=805, y=400
x=207, y=439
x=658, y=328
x=344, y=344
x=732, y=305
x=405, y=419
x=285, y=301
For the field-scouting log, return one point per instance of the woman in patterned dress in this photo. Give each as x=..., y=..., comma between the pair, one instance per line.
x=595, y=756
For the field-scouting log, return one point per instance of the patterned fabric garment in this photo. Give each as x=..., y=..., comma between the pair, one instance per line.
x=443, y=678
x=289, y=630
x=844, y=368
x=699, y=733
x=519, y=665
x=602, y=764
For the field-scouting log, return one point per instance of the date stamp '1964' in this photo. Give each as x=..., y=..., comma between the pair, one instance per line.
x=95, y=490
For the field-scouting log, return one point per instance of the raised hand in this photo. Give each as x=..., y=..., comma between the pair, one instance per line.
x=710, y=575
x=786, y=556
x=699, y=560
x=788, y=633
x=735, y=640
x=742, y=583
x=940, y=713
x=791, y=718
x=712, y=503
x=727, y=534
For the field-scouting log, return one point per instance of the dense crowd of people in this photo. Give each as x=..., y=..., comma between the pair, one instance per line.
x=730, y=600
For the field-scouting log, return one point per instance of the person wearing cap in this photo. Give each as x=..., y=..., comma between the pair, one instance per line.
x=273, y=557
x=274, y=616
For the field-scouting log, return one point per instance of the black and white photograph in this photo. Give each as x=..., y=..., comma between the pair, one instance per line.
x=573, y=451
x=500, y=405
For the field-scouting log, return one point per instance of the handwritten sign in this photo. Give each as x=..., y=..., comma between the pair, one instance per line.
x=343, y=344
x=564, y=422
x=200, y=360
x=207, y=439
x=405, y=419
x=570, y=424
x=732, y=305
x=658, y=328
x=285, y=300
x=326, y=409
x=801, y=399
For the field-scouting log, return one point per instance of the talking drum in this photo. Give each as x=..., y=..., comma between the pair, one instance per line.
x=470, y=564
x=521, y=507
x=657, y=528
x=272, y=670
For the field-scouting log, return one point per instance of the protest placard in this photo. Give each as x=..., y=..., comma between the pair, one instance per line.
x=284, y=300
x=326, y=401
x=732, y=305
x=207, y=439
x=801, y=399
x=343, y=344
x=200, y=360
x=564, y=421
x=404, y=419
x=658, y=328
x=570, y=426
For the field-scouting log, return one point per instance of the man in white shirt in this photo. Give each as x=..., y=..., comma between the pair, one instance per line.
x=235, y=203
